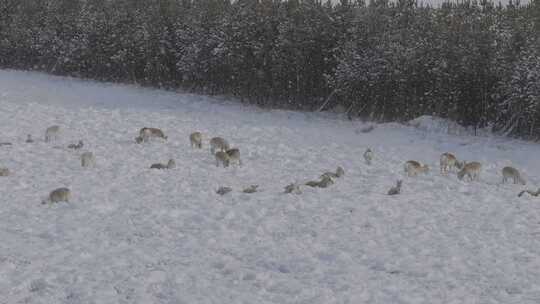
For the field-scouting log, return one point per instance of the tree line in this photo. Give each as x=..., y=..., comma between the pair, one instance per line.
x=477, y=63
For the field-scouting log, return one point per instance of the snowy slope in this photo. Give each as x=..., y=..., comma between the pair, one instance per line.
x=135, y=235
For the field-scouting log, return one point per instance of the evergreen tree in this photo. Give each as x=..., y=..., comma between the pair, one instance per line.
x=471, y=61
x=520, y=106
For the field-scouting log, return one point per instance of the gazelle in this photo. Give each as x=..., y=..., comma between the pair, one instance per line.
x=472, y=170
x=413, y=168
x=512, y=173
x=448, y=161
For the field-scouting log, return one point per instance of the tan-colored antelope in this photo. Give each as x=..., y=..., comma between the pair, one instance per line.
x=52, y=133
x=471, y=170
x=195, y=140
x=234, y=156
x=512, y=173
x=146, y=133
x=448, y=161
x=413, y=168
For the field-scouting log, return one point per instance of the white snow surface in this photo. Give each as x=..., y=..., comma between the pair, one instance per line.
x=135, y=235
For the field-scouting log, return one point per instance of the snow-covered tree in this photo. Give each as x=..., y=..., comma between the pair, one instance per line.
x=389, y=60
x=520, y=106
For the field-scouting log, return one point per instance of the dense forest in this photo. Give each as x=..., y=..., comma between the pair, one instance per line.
x=477, y=63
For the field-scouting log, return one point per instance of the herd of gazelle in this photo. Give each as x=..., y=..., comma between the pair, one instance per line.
x=225, y=156
x=219, y=147
x=448, y=162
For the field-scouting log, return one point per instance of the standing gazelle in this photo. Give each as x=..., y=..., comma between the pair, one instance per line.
x=512, y=173
x=449, y=161
x=52, y=133
x=195, y=139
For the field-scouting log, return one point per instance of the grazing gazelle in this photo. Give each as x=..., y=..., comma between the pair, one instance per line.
x=413, y=168
x=58, y=195
x=146, y=133
x=472, y=170
x=449, y=161
x=512, y=173
x=234, y=156
x=52, y=133
x=195, y=139
x=218, y=143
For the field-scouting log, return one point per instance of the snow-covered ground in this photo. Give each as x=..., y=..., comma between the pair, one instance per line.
x=135, y=235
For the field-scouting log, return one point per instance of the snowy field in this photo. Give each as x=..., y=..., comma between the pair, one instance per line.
x=135, y=235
